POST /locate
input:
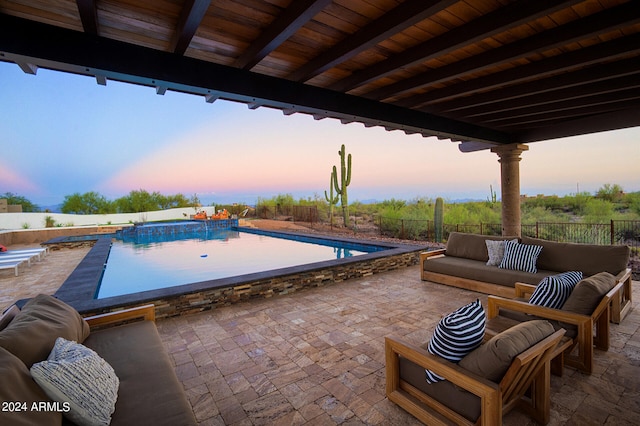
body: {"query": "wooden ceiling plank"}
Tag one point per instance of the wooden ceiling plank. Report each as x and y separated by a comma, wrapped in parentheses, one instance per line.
(292, 19)
(590, 26)
(459, 95)
(570, 112)
(596, 94)
(188, 22)
(88, 15)
(620, 119)
(477, 30)
(403, 16)
(564, 86)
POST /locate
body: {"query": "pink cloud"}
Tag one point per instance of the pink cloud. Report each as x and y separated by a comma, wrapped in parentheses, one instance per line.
(14, 182)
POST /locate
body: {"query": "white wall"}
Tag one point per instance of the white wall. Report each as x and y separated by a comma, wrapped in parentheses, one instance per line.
(13, 221)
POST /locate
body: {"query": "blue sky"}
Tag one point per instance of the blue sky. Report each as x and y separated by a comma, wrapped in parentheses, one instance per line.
(61, 134)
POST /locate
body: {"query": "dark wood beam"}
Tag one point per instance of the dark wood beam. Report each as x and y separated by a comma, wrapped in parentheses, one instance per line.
(190, 17)
(88, 15)
(590, 26)
(614, 120)
(71, 51)
(586, 104)
(479, 91)
(485, 26)
(403, 16)
(554, 100)
(295, 16)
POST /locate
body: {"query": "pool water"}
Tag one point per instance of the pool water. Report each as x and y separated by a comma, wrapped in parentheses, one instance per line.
(135, 267)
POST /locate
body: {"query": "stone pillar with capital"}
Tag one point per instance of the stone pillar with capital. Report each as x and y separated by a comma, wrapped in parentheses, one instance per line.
(510, 186)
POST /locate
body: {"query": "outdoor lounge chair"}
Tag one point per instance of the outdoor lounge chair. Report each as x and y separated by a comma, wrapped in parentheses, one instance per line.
(586, 322)
(471, 399)
(40, 252)
(13, 257)
(12, 264)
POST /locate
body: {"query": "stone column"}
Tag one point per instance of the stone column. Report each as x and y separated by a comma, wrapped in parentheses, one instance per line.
(510, 186)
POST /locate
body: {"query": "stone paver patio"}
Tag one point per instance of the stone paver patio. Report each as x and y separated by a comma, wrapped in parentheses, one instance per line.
(316, 357)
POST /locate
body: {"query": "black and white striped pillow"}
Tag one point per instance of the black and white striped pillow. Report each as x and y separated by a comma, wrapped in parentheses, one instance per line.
(457, 334)
(554, 290)
(520, 257)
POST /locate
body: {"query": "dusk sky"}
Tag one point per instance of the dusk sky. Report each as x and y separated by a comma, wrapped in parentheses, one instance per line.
(61, 134)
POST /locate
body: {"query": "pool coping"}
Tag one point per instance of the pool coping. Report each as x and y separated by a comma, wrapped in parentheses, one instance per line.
(81, 285)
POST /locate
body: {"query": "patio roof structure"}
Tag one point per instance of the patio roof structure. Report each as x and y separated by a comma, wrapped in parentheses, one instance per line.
(482, 73)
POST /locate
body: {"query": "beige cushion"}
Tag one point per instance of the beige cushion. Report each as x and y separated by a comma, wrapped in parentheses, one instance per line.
(149, 393)
(587, 258)
(18, 386)
(33, 332)
(587, 293)
(470, 246)
(493, 358)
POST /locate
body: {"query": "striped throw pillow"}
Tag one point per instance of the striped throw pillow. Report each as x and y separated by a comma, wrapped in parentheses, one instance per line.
(520, 257)
(456, 335)
(554, 290)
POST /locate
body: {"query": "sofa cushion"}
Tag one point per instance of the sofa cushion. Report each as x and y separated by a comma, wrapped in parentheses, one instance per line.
(77, 375)
(493, 358)
(587, 294)
(445, 392)
(588, 258)
(520, 257)
(150, 392)
(19, 387)
(470, 246)
(457, 334)
(479, 271)
(33, 332)
(554, 290)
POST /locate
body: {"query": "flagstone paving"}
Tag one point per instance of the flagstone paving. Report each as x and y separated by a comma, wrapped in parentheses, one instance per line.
(317, 357)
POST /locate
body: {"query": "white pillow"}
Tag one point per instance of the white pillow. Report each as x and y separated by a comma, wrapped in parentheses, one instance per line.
(77, 375)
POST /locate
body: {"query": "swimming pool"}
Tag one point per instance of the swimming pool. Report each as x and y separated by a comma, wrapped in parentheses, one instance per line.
(152, 262)
(81, 287)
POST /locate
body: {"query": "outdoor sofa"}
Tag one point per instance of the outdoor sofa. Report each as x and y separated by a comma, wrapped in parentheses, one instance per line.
(463, 263)
(34, 342)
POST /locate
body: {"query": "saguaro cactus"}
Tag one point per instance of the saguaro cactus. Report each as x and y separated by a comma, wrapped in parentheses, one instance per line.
(438, 219)
(345, 180)
(330, 198)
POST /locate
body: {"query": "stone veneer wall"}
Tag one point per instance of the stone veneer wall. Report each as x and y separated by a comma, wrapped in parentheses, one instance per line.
(210, 298)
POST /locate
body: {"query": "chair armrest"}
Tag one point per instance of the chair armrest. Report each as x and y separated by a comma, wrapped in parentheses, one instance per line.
(495, 303)
(146, 313)
(624, 275)
(431, 253)
(524, 290)
(457, 375)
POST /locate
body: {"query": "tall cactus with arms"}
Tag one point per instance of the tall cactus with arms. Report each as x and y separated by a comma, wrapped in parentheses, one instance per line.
(345, 180)
(330, 198)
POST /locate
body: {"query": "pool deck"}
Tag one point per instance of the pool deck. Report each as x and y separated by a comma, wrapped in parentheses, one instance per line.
(316, 357)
